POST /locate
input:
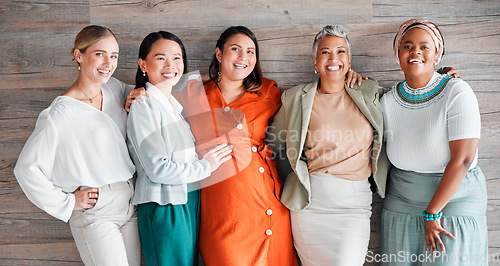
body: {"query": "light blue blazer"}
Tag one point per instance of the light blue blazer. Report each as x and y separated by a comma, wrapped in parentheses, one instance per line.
(163, 150)
(287, 135)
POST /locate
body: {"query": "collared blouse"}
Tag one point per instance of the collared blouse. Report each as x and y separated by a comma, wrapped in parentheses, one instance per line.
(162, 146)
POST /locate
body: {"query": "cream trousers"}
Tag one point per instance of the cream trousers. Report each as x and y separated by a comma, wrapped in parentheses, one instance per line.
(107, 234)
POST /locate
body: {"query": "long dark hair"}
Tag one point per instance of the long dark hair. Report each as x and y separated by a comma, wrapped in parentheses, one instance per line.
(145, 49)
(252, 82)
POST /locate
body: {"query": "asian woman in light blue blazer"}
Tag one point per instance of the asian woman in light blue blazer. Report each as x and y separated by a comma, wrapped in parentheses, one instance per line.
(163, 150)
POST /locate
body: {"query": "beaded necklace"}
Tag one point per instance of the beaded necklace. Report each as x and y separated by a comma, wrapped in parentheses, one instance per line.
(420, 98)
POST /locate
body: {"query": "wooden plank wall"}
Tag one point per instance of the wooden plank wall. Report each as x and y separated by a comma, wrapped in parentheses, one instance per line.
(36, 39)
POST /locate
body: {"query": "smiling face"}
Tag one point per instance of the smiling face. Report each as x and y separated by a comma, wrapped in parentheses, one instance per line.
(417, 53)
(99, 61)
(332, 59)
(238, 57)
(163, 65)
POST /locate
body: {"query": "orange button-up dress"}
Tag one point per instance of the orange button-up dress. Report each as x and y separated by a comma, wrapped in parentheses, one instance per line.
(242, 219)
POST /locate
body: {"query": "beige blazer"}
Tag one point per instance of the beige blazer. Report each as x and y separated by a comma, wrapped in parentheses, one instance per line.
(287, 135)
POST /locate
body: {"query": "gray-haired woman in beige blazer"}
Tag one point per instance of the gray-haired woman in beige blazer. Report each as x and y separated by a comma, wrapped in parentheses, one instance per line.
(328, 143)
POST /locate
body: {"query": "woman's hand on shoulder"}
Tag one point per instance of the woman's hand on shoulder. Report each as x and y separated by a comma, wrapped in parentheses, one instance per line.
(138, 93)
(205, 78)
(449, 71)
(352, 77)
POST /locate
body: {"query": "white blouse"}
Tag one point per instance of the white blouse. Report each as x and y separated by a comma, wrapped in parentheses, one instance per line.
(75, 144)
(418, 134)
(162, 147)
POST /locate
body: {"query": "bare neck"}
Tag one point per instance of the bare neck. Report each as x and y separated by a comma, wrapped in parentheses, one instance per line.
(90, 88)
(329, 87)
(418, 81)
(83, 89)
(231, 90)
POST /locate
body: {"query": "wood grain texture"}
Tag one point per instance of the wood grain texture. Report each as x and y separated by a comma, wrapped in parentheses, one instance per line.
(36, 39)
(220, 14)
(438, 11)
(61, 252)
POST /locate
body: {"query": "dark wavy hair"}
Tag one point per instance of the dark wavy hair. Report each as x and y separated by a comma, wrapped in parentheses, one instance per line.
(252, 82)
(145, 49)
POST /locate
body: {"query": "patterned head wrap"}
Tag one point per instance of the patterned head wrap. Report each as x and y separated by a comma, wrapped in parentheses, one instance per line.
(428, 26)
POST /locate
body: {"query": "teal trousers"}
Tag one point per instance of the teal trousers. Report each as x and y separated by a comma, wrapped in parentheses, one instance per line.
(169, 233)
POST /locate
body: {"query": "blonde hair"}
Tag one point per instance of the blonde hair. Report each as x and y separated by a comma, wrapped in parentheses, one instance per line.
(89, 36)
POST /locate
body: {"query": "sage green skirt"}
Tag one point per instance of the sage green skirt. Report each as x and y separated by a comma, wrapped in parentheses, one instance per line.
(403, 227)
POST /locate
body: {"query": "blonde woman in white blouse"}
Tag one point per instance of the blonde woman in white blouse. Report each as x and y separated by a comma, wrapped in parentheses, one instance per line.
(75, 166)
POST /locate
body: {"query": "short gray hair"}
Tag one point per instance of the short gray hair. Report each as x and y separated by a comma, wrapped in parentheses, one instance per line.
(329, 30)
